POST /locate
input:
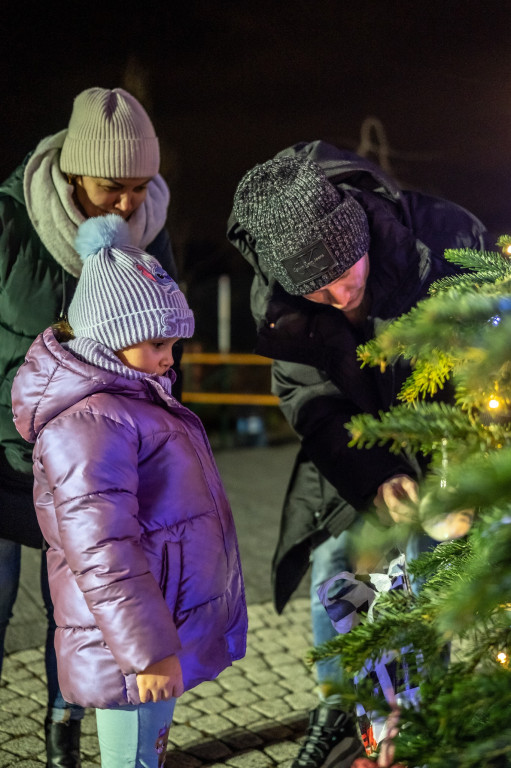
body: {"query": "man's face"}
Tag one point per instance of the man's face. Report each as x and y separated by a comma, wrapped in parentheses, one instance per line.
(347, 292)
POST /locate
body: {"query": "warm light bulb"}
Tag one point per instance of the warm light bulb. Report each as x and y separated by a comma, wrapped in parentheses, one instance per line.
(508, 248)
(493, 403)
(502, 657)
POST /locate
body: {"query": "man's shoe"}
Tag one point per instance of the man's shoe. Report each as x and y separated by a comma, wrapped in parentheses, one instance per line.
(62, 744)
(331, 740)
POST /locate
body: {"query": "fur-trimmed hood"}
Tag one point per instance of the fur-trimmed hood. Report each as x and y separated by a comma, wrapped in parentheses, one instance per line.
(52, 379)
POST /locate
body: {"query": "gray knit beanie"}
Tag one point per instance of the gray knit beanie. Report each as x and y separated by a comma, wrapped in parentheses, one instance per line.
(110, 136)
(307, 232)
(123, 296)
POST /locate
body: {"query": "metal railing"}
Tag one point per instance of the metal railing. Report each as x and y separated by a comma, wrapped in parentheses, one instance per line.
(226, 398)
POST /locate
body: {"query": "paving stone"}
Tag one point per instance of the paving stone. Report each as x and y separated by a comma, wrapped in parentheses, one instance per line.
(24, 746)
(242, 716)
(213, 724)
(19, 705)
(253, 759)
(268, 635)
(21, 673)
(284, 750)
(294, 670)
(278, 660)
(28, 657)
(209, 706)
(177, 759)
(234, 683)
(185, 714)
(33, 688)
(18, 726)
(270, 730)
(6, 760)
(272, 708)
(267, 647)
(89, 744)
(184, 735)
(300, 683)
(210, 751)
(262, 676)
(297, 721)
(302, 700)
(188, 697)
(89, 723)
(255, 622)
(240, 739)
(40, 696)
(240, 698)
(255, 663)
(233, 671)
(209, 688)
(272, 691)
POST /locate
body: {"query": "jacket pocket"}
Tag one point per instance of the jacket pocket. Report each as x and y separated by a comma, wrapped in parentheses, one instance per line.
(170, 575)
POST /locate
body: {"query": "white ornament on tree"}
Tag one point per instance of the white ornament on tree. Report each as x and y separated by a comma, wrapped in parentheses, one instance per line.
(442, 527)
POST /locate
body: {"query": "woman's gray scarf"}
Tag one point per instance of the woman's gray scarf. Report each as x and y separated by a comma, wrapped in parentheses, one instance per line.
(56, 218)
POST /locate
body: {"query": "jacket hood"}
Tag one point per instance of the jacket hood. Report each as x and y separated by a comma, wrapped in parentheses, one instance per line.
(13, 184)
(52, 379)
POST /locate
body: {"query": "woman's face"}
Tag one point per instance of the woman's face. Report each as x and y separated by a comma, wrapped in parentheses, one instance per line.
(97, 196)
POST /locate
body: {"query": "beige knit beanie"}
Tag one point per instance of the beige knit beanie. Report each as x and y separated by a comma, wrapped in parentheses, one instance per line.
(110, 136)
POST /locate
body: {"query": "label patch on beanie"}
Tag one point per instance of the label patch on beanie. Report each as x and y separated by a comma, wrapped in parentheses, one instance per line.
(153, 271)
(309, 263)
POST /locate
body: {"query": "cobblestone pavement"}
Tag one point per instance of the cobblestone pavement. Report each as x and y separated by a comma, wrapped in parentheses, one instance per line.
(252, 716)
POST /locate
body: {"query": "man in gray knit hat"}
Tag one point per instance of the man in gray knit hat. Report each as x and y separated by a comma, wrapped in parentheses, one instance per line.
(335, 251)
(105, 162)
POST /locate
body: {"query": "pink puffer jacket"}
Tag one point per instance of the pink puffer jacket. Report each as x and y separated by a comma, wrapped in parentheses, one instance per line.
(143, 558)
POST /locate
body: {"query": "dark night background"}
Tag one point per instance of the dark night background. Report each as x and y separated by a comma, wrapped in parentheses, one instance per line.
(228, 83)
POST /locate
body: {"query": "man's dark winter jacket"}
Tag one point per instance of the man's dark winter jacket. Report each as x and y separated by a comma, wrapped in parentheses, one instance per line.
(316, 374)
(34, 292)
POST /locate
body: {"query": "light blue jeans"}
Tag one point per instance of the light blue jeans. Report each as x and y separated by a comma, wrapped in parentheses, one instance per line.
(135, 736)
(327, 559)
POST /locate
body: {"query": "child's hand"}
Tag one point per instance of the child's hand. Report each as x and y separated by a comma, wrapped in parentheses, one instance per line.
(161, 680)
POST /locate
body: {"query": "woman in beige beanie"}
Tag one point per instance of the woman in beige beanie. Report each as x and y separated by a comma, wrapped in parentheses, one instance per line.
(105, 161)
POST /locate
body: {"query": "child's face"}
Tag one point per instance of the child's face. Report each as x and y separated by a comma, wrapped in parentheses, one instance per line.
(153, 356)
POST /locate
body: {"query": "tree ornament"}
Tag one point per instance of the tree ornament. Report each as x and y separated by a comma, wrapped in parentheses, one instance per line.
(455, 524)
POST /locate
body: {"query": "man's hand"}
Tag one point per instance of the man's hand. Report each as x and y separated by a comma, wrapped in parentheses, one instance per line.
(398, 497)
(161, 680)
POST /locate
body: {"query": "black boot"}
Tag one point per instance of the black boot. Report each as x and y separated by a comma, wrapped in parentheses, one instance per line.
(331, 740)
(62, 744)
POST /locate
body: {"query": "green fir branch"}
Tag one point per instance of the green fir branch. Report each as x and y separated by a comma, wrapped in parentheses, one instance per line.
(420, 428)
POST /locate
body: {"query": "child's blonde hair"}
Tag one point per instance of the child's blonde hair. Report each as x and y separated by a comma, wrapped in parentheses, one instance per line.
(63, 331)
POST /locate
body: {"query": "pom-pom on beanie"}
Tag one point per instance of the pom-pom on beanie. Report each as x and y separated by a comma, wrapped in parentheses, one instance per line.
(110, 136)
(123, 296)
(307, 232)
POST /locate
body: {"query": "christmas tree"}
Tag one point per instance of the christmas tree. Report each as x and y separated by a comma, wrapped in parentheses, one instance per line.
(458, 339)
